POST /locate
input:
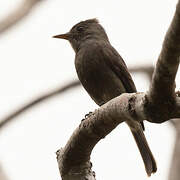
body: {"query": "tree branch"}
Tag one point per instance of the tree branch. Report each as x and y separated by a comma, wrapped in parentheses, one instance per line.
(168, 62)
(162, 91)
(74, 158)
(18, 14)
(56, 92)
(37, 101)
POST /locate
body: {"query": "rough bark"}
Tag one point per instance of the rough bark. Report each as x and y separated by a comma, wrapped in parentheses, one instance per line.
(74, 158)
(161, 97)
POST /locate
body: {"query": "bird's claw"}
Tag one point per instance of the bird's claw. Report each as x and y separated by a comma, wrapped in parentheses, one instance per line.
(87, 115)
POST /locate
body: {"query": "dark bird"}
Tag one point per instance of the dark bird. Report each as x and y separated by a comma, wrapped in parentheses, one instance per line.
(104, 75)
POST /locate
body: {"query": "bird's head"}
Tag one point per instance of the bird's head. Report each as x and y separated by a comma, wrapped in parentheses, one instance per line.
(84, 30)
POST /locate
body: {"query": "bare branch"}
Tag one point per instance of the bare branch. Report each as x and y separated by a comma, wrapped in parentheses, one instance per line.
(21, 12)
(95, 127)
(37, 101)
(162, 89)
(74, 158)
(168, 62)
(58, 91)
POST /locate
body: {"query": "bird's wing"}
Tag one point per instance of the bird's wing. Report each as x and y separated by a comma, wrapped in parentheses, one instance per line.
(113, 60)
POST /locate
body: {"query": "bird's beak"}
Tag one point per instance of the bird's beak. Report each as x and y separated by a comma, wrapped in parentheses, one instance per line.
(63, 36)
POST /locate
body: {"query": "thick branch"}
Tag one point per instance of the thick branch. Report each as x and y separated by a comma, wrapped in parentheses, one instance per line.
(14, 17)
(161, 97)
(36, 101)
(94, 128)
(74, 158)
(168, 62)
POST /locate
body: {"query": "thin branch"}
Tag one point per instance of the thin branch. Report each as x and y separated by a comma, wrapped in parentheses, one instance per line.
(37, 101)
(56, 92)
(18, 14)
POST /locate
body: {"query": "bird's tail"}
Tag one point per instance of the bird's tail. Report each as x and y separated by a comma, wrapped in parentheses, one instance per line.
(147, 156)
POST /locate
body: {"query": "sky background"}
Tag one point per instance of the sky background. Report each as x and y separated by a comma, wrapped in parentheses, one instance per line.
(32, 63)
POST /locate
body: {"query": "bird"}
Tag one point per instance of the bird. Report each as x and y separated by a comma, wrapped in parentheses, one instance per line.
(104, 75)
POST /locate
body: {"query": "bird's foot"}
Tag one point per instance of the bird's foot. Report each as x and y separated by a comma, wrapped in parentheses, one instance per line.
(87, 115)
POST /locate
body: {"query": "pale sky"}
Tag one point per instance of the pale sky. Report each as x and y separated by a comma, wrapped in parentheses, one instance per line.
(32, 62)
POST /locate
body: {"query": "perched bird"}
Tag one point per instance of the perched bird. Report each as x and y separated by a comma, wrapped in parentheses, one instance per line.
(104, 75)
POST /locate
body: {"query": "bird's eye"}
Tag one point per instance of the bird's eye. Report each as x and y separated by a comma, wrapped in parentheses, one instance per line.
(80, 29)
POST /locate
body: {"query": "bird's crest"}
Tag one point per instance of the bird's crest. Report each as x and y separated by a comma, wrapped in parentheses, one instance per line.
(86, 22)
